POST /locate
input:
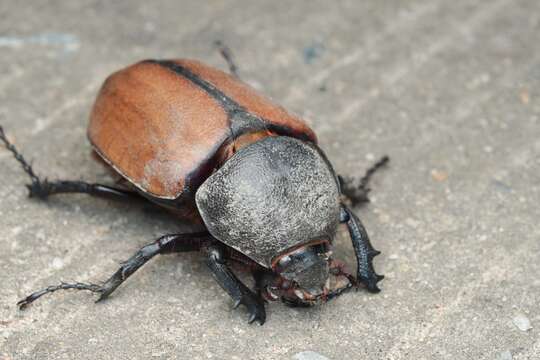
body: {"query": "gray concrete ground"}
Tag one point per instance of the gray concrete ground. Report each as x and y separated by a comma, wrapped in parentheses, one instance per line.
(449, 89)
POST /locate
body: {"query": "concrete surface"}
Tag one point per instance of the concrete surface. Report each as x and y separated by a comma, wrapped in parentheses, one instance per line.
(449, 89)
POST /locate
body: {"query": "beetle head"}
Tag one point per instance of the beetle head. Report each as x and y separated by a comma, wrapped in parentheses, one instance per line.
(304, 272)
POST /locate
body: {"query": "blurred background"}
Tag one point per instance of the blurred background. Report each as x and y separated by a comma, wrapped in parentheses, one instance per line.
(449, 90)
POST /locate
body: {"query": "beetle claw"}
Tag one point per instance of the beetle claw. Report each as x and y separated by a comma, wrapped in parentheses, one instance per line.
(257, 316)
(255, 307)
(371, 283)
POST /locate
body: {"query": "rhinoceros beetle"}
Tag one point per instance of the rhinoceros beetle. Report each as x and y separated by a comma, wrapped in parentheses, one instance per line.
(208, 147)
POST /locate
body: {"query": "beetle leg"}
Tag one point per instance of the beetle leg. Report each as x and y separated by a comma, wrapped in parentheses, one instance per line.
(43, 188)
(357, 190)
(164, 245)
(295, 303)
(239, 292)
(227, 55)
(337, 292)
(363, 249)
(260, 282)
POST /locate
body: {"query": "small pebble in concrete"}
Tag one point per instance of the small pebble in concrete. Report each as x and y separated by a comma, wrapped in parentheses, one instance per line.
(522, 322)
(16, 230)
(57, 263)
(505, 355)
(439, 175)
(309, 355)
(524, 96)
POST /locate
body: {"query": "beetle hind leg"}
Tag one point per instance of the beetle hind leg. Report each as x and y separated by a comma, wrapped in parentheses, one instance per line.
(42, 188)
(357, 190)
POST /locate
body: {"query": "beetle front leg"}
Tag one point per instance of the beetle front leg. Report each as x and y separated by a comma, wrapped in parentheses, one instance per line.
(363, 249)
(239, 292)
(164, 245)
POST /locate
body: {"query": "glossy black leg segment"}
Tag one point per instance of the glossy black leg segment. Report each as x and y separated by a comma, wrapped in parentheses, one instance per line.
(165, 244)
(227, 55)
(239, 292)
(357, 190)
(260, 281)
(363, 249)
(42, 188)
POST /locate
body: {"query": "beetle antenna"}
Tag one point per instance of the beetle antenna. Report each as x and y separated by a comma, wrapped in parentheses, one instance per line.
(227, 55)
(18, 156)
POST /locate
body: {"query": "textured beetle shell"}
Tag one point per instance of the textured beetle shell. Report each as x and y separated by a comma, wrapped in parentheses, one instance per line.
(272, 195)
(163, 124)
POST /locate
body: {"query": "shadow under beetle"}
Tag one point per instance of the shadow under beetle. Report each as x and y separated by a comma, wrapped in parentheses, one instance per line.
(208, 147)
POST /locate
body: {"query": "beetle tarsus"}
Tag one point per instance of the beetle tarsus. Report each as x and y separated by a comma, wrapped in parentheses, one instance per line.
(364, 252)
(372, 170)
(337, 292)
(22, 304)
(357, 190)
(19, 157)
(37, 188)
(227, 55)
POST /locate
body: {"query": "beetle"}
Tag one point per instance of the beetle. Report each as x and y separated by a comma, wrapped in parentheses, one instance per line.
(211, 149)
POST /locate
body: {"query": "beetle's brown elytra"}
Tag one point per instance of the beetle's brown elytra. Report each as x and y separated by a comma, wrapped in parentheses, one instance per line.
(210, 148)
(166, 139)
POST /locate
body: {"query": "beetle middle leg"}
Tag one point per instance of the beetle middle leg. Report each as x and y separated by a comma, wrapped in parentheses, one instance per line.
(357, 190)
(238, 291)
(164, 245)
(42, 188)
